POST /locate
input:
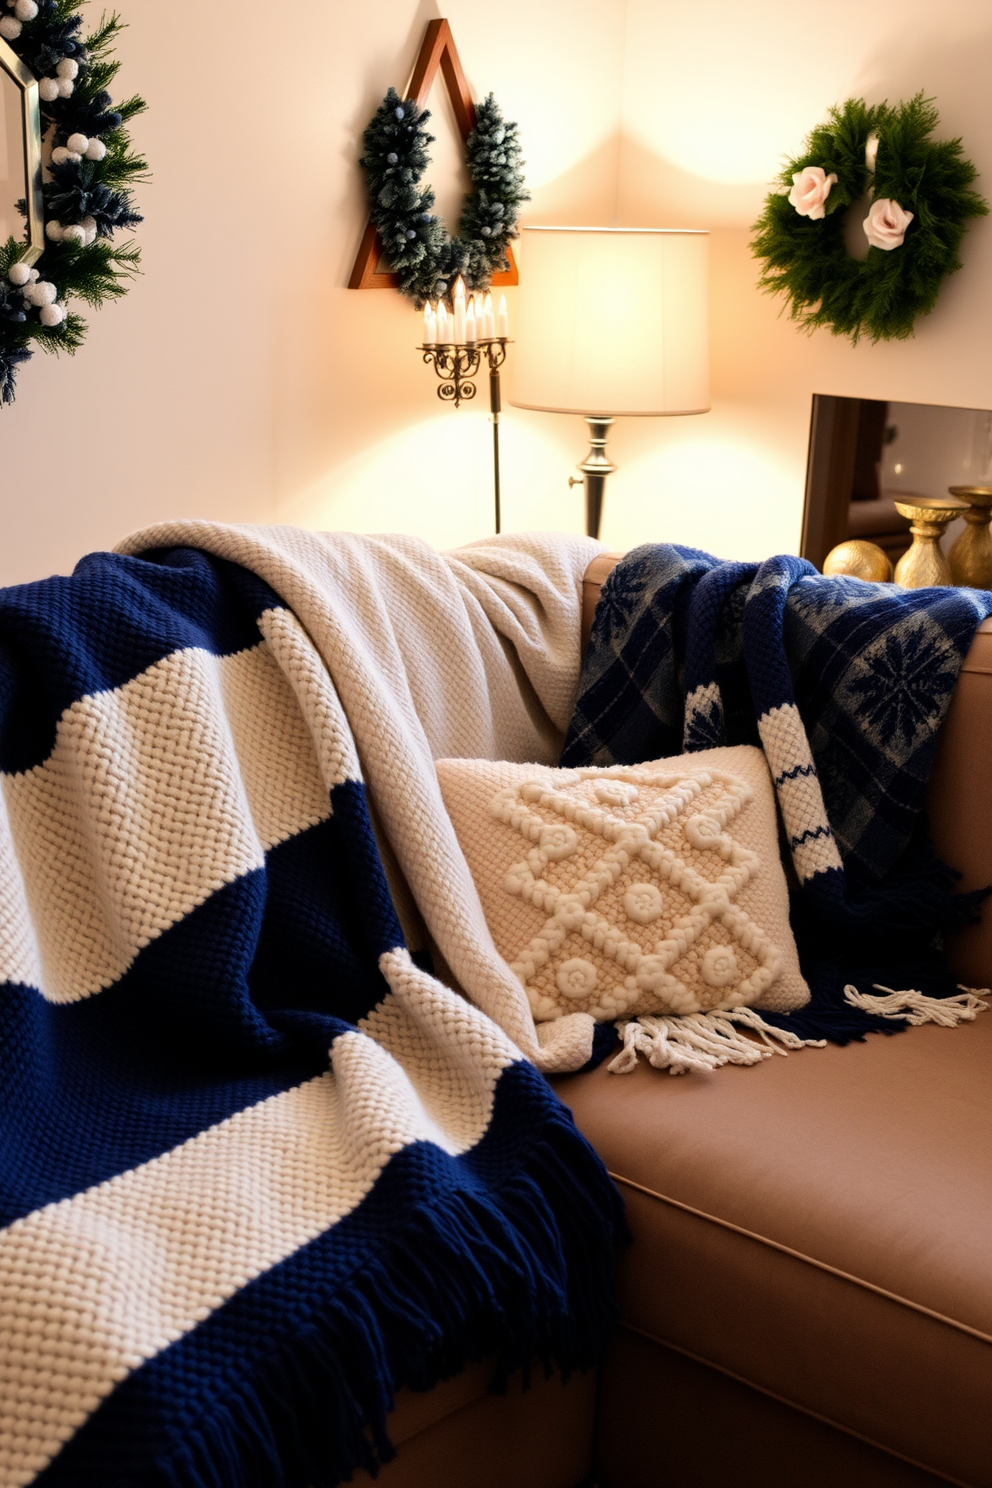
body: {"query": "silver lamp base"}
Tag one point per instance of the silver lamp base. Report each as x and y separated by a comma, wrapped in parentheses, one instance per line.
(595, 468)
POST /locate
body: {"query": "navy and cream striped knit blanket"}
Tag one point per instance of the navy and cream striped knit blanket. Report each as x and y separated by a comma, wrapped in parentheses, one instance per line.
(845, 686)
(258, 1167)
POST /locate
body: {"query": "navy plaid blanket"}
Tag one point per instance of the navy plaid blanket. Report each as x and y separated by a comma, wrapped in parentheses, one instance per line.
(845, 686)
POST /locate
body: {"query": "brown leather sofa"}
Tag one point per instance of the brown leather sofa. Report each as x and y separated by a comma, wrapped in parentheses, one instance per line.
(808, 1298)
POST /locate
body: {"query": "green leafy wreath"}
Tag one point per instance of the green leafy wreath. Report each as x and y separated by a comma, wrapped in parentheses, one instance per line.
(87, 186)
(425, 258)
(921, 203)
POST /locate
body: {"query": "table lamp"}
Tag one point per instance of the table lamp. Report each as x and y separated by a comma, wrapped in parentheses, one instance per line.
(613, 319)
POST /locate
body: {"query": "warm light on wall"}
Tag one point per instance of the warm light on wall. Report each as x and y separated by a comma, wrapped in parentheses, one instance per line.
(612, 321)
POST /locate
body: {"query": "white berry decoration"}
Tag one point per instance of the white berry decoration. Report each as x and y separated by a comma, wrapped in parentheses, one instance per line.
(41, 293)
(81, 192)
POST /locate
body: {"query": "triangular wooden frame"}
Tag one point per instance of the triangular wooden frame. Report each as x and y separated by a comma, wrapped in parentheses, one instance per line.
(438, 50)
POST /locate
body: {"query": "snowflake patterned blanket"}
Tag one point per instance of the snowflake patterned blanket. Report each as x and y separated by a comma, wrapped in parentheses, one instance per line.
(258, 1166)
(845, 686)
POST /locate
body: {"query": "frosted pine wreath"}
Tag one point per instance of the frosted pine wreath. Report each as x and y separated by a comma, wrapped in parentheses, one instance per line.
(921, 201)
(87, 187)
(425, 258)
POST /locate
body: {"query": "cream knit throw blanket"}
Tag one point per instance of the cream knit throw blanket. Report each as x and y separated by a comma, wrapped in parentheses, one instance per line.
(470, 654)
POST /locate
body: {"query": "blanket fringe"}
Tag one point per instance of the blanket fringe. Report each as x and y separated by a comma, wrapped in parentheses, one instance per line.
(702, 1041)
(916, 1008)
(525, 1277)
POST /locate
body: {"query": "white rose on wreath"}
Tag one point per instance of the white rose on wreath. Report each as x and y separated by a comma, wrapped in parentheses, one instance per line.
(886, 224)
(810, 189)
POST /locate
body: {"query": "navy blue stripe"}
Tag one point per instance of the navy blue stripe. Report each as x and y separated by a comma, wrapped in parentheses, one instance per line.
(795, 773)
(153, 1414)
(810, 835)
(240, 999)
(62, 639)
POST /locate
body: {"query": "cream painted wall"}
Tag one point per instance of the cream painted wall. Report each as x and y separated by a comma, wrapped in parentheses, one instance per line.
(247, 383)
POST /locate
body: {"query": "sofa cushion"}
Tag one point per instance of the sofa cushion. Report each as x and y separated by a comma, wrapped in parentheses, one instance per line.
(650, 888)
(820, 1226)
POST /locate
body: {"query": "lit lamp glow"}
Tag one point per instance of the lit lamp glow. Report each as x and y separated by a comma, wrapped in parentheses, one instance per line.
(612, 322)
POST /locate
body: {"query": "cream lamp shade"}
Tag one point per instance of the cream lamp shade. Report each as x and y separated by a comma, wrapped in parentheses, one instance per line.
(612, 320)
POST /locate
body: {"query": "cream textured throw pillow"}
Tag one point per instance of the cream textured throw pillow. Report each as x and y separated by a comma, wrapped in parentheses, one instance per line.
(653, 888)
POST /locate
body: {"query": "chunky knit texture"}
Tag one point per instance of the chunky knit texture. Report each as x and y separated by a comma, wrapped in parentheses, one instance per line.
(652, 889)
(845, 686)
(258, 1166)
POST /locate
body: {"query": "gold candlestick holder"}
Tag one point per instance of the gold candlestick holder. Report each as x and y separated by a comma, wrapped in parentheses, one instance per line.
(971, 556)
(924, 566)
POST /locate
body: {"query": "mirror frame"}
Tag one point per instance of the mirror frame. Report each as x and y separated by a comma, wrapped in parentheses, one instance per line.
(25, 80)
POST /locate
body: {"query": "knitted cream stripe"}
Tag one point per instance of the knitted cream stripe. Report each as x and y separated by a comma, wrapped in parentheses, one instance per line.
(800, 798)
(319, 704)
(426, 655)
(93, 1286)
(162, 791)
(451, 1051)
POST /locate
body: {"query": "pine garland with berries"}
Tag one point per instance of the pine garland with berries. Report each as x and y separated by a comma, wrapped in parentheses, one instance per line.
(87, 188)
(424, 256)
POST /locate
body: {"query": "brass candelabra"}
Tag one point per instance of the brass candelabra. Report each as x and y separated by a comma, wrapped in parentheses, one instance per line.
(457, 364)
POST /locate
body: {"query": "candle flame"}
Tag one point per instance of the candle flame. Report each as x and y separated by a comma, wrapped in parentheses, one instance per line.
(459, 288)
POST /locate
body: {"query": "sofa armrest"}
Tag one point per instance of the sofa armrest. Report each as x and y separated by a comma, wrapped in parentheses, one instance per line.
(960, 800)
(960, 794)
(595, 578)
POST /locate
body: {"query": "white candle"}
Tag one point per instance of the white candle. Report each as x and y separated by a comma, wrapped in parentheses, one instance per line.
(488, 318)
(470, 320)
(430, 325)
(503, 320)
(442, 322)
(459, 310)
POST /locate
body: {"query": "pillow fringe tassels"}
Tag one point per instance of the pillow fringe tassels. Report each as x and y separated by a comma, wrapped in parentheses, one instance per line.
(683, 1043)
(707, 1041)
